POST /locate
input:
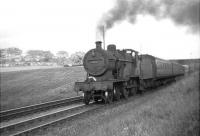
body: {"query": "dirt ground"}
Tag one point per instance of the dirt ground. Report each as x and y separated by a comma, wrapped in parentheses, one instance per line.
(22, 88)
(166, 111)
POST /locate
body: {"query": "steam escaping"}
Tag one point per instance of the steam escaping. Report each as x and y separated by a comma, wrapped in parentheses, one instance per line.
(182, 12)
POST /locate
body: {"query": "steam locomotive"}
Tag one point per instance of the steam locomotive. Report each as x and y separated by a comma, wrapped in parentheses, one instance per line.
(113, 74)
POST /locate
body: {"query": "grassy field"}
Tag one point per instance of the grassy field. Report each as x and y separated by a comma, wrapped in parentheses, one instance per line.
(22, 88)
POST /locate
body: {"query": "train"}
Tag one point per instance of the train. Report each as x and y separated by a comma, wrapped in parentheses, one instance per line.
(113, 74)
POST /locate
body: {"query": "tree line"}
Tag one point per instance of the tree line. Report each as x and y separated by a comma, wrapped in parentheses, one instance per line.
(13, 57)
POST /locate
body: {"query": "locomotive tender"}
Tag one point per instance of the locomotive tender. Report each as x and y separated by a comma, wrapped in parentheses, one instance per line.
(113, 74)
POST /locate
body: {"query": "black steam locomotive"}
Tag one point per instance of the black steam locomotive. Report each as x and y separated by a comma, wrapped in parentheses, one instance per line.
(113, 74)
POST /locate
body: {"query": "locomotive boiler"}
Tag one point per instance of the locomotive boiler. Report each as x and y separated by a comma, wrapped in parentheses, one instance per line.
(113, 74)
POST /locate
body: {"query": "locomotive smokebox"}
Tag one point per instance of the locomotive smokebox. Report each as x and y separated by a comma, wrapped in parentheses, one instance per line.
(98, 45)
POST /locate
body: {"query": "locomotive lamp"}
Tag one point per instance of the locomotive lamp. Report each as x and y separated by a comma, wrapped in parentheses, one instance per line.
(106, 94)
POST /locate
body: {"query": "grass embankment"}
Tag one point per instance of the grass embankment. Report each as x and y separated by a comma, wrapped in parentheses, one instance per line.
(24, 88)
(173, 113)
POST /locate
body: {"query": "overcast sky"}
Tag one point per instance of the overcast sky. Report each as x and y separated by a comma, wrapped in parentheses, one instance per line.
(70, 25)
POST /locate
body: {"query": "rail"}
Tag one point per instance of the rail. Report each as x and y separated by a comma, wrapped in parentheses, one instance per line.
(13, 113)
(27, 125)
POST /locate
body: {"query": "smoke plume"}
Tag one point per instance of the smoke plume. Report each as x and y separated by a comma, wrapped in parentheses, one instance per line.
(182, 12)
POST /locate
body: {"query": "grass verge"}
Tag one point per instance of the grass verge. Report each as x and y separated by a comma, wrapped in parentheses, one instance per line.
(22, 88)
(173, 113)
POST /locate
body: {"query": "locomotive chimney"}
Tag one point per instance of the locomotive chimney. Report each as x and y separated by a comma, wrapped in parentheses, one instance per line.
(98, 44)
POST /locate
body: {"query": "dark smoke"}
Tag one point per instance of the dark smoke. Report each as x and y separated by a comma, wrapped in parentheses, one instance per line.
(182, 12)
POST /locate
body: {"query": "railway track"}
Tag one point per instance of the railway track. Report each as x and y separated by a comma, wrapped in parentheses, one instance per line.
(27, 124)
(13, 113)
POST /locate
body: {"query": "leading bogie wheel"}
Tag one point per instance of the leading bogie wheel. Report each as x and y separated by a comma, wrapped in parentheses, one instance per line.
(132, 91)
(116, 92)
(109, 96)
(125, 93)
(86, 98)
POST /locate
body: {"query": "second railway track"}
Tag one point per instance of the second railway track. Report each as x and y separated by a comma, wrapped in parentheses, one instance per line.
(13, 113)
(23, 121)
(25, 126)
